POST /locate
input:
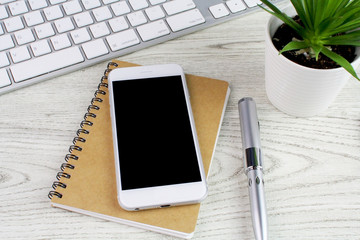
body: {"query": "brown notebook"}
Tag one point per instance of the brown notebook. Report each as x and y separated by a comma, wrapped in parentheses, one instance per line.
(87, 182)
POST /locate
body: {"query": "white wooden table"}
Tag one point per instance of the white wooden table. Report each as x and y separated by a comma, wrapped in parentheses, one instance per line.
(312, 166)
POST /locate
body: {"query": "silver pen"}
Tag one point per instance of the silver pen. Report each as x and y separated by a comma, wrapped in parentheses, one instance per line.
(253, 165)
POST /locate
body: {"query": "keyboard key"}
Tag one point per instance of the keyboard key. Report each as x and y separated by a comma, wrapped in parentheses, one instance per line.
(72, 7)
(60, 42)
(13, 24)
(136, 18)
(95, 48)
(122, 40)
(6, 42)
(155, 13)
(120, 8)
(24, 36)
(235, 5)
(154, 2)
(37, 4)
(18, 7)
(6, 1)
(252, 3)
(185, 20)
(64, 25)
(47, 63)
(118, 24)
(177, 6)
(44, 30)
(219, 10)
(102, 13)
(1, 30)
(138, 4)
(53, 2)
(109, 1)
(3, 12)
(80, 35)
(19, 54)
(52, 13)
(40, 48)
(99, 30)
(4, 61)
(90, 4)
(83, 19)
(4, 78)
(153, 30)
(33, 18)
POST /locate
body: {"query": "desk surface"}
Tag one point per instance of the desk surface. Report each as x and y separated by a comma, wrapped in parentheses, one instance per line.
(312, 165)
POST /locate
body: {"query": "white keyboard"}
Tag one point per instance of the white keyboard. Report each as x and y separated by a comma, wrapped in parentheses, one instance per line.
(41, 39)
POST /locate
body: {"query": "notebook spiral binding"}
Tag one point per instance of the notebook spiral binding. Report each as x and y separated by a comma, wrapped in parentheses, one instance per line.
(97, 99)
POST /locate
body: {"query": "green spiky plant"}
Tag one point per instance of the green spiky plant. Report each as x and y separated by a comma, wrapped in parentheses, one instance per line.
(324, 23)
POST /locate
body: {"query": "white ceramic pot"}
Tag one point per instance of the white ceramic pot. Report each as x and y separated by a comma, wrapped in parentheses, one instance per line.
(295, 89)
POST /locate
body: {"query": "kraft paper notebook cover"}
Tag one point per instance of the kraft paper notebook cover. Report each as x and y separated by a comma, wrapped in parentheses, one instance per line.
(87, 181)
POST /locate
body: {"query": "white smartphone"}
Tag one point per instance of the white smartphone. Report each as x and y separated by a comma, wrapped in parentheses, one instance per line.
(157, 155)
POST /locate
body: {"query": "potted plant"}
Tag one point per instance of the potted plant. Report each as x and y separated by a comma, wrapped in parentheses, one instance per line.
(312, 48)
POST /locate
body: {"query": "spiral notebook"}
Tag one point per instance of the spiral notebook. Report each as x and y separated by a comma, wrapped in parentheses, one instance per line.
(86, 183)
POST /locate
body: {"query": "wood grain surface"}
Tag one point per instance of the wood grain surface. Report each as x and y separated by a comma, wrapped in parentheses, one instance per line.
(312, 165)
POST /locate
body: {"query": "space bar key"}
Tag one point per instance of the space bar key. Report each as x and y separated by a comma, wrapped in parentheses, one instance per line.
(47, 63)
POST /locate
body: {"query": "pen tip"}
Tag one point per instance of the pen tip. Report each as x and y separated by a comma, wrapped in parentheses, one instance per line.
(245, 99)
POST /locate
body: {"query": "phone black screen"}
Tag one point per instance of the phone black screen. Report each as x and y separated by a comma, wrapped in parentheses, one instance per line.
(155, 139)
